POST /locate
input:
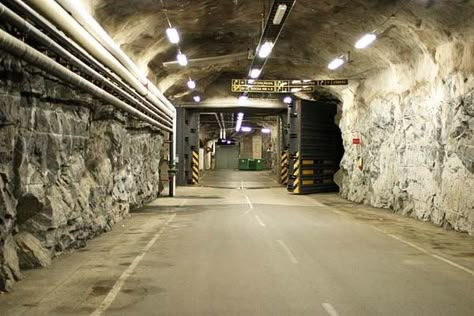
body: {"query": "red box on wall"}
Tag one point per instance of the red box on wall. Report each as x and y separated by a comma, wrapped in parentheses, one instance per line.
(356, 141)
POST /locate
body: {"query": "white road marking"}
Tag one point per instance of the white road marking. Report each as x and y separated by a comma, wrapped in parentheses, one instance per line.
(447, 261)
(260, 221)
(288, 251)
(246, 196)
(330, 309)
(126, 274)
(426, 252)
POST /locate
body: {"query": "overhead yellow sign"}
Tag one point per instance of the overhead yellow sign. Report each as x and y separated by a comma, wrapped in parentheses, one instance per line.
(282, 86)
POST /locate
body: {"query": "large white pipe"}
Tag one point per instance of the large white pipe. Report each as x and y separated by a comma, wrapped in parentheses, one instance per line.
(91, 25)
(56, 14)
(94, 28)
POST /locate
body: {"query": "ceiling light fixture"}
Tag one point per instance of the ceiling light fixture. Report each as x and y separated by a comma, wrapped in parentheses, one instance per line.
(182, 59)
(265, 50)
(191, 84)
(336, 63)
(246, 129)
(266, 130)
(238, 124)
(173, 35)
(197, 99)
(243, 99)
(255, 73)
(365, 41)
(287, 100)
(280, 13)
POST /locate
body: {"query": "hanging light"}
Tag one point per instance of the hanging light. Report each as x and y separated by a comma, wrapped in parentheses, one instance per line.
(254, 73)
(246, 129)
(173, 35)
(365, 41)
(266, 130)
(265, 50)
(182, 59)
(238, 124)
(336, 63)
(191, 84)
(197, 99)
(287, 100)
(280, 13)
(243, 99)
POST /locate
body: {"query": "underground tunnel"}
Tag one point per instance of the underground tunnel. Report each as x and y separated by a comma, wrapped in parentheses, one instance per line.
(259, 157)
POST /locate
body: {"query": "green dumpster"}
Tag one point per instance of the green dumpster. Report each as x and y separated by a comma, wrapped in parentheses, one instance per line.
(243, 164)
(258, 165)
(252, 164)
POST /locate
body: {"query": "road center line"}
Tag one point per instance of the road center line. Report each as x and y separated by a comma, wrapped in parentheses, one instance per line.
(330, 309)
(288, 251)
(246, 196)
(260, 221)
(126, 274)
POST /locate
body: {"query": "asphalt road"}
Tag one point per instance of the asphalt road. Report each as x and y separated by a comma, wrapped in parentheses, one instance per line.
(238, 248)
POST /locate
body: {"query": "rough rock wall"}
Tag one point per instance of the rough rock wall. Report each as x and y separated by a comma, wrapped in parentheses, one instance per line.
(416, 123)
(70, 167)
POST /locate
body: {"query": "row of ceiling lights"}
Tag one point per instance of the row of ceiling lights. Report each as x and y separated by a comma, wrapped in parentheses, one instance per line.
(364, 42)
(174, 38)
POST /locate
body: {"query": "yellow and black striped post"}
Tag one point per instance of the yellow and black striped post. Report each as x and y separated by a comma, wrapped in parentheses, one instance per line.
(195, 165)
(284, 168)
(296, 177)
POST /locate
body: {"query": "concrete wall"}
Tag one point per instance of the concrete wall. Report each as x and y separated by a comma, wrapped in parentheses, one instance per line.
(70, 168)
(416, 123)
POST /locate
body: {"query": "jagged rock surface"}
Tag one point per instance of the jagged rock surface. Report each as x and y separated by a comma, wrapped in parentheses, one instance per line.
(417, 139)
(70, 167)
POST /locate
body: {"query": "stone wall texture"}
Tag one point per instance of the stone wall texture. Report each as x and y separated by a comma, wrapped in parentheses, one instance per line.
(416, 123)
(70, 167)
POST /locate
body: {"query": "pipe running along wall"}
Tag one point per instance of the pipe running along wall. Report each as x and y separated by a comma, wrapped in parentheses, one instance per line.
(26, 27)
(65, 41)
(56, 14)
(102, 37)
(37, 59)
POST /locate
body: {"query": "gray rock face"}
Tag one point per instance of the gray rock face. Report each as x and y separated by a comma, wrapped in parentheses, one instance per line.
(417, 144)
(69, 168)
(31, 253)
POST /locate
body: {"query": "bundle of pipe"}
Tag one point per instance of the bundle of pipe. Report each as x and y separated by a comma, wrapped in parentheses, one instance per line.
(122, 66)
(137, 88)
(27, 28)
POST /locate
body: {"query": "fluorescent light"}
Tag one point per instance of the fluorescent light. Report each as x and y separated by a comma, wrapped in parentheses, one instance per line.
(251, 81)
(197, 99)
(287, 100)
(265, 50)
(173, 35)
(243, 100)
(254, 73)
(191, 84)
(280, 13)
(365, 41)
(229, 142)
(240, 116)
(266, 130)
(246, 129)
(336, 63)
(182, 59)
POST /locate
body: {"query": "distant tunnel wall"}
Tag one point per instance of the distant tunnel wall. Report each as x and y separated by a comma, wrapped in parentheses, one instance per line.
(416, 125)
(70, 167)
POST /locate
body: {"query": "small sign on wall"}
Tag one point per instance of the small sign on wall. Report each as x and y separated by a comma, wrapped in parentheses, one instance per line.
(356, 141)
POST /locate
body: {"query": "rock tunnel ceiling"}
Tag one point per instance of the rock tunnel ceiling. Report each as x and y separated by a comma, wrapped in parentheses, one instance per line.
(315, 33)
